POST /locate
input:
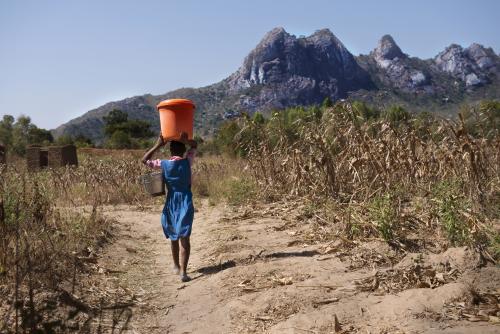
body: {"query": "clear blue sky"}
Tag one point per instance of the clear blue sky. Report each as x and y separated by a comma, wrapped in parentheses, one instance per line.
(59, 59)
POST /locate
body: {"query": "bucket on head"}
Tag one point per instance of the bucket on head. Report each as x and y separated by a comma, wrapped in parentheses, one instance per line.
(176, 116)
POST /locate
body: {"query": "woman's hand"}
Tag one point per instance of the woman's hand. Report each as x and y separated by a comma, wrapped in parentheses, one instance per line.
(184, 139)
(160, 142)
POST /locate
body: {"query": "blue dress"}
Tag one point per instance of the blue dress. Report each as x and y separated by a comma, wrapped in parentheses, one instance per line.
(178, 212)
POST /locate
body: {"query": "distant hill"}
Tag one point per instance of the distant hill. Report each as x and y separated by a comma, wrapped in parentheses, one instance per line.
(284, 70)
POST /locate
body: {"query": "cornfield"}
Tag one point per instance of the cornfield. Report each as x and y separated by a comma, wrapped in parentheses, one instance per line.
(382, 175)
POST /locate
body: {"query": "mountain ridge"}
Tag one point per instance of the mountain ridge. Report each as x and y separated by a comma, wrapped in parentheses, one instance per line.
(284, 70)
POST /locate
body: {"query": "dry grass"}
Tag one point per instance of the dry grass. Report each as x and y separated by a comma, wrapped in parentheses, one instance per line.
(223, 179)
(50, 222)
(397, 180)
(41, 245)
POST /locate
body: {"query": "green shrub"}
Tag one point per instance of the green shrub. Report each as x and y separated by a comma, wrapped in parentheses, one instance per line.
(327, 102)
(224, 139)
(258, 118)
(383, 212)
(396, 114)
(119, 140)
(449, 199)
(364, 111)
(239, 190)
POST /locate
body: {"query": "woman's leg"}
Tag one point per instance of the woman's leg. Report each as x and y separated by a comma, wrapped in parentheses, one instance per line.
(174, 245)
(185, 251)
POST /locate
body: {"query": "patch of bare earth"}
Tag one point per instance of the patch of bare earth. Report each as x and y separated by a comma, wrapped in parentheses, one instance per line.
(255, 270)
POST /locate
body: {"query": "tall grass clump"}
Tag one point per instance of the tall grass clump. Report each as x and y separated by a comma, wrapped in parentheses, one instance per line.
(450, 205)
(383, 214)
(222, 179)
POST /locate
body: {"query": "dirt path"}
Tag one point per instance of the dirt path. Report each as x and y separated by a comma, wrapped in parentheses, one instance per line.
(252, 273)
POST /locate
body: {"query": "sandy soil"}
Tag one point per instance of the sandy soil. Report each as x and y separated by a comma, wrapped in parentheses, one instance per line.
(253, 273)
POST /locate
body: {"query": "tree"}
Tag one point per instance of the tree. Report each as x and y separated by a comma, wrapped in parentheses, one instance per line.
(114, 118)
(65, 140)
(17, 135)
(6, 126)
(39, 136)
(78, 141)
(119, 140)
(20, 134)
(82, 141)
(136, 128)
(24, 133)
(117, 125)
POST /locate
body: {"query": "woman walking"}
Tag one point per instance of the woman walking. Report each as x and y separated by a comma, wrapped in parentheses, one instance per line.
(178, 211)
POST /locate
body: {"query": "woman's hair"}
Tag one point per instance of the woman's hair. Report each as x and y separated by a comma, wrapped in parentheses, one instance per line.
(177, 148)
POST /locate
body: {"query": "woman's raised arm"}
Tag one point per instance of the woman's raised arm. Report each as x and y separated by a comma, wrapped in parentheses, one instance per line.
(147, 156)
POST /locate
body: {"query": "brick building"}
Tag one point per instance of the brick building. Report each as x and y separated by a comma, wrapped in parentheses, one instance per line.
(53, 156)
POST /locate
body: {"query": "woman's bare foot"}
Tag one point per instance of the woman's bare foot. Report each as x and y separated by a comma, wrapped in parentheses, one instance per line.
(176, 269)
(185, 277)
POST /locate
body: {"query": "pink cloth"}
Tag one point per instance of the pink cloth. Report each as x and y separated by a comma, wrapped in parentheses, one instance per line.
(190, 155)
(156, 163)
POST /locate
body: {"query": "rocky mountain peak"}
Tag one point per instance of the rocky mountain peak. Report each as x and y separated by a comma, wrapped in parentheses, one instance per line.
(325, 39)
(471, 65)
(485, 58)
(276, 35)
(281, 57)
(323, 36)
(387, 49)
(396, 68)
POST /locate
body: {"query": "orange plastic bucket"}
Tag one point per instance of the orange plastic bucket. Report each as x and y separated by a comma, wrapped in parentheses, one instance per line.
(176, 116)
